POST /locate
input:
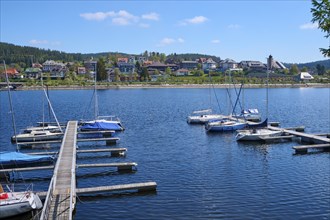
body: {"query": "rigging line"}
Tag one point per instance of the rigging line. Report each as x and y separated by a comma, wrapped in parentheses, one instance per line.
(90, 103)
(11, 107)
(216, 97)
(50, 105)
(238, 95)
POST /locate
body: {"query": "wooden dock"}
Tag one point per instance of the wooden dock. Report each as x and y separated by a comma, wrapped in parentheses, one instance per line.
(309, 138)
(61, 197)
(115, 152)
(140, 187)
(304, 148)
(108, 140)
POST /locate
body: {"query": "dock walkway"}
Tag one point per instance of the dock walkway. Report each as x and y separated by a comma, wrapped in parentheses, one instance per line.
(60, 200)
(315, 139)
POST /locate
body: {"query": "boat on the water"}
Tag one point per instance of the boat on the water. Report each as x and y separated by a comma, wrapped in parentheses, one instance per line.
(17, 159)
(256, 134)
(35, 135)
(250, 115)
(202, 117)
(102, 123)
(16, 203)
(225, 125)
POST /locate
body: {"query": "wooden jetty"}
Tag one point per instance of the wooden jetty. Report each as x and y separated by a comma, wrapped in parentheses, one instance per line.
(115, 152)
(61, 195)
(108, 140)
(309, 138)
(277, 138)
(140, 187)
(304, 148)
(120, 166)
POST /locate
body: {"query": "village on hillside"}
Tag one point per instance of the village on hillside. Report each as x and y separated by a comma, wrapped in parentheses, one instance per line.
(139, 69)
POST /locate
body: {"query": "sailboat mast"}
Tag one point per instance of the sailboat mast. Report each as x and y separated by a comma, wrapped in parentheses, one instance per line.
(96, 111)
(11, 105)
(267, 92)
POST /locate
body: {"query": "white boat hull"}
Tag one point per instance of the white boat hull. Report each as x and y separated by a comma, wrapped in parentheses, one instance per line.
(202, 119)
(18, 203)
(256, 135)
(30, 137)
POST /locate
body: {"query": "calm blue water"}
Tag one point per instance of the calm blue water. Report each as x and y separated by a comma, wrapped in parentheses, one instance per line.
(199, 175)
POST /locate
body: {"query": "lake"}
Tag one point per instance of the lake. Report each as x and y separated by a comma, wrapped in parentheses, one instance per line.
(200, 175)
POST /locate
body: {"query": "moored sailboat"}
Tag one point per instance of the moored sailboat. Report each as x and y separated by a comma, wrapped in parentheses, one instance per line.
(16, 203)
(100, 123)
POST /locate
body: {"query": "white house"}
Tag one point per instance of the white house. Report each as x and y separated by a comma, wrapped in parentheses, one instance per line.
(304, 76)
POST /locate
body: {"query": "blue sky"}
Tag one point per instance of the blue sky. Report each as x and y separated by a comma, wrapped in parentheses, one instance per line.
(240, 30)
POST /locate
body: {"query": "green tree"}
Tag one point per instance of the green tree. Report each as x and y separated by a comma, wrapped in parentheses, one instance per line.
(117, 75)
(101, 72)
(321, 15)
(320, 69)
(144, 74)
(168, 71)
(294, 69)
(304, 69)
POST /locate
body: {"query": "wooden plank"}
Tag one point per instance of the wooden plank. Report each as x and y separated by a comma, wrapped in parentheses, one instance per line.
(133, 186)
(26, 169)
(40, 142)
(102, 150)
(311, 146)
(129, 164)
(98, 139)
(310, 137)
(276, 138)
(120, 166)
(96, 132)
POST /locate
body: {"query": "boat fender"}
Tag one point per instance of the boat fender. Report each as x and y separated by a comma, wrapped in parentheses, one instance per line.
(4, 196)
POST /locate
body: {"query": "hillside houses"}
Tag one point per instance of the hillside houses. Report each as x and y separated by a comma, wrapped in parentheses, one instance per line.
(133, 67)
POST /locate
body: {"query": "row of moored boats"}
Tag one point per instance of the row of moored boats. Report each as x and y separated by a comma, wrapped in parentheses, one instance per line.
(247, 125)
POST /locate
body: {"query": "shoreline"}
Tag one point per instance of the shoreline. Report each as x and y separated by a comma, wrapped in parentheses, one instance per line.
(182, 86)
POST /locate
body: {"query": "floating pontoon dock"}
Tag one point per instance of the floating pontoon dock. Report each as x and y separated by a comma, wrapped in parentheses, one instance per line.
(61, 196)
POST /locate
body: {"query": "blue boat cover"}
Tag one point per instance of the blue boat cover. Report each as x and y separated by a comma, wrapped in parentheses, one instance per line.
(101, 126)
(9, 159)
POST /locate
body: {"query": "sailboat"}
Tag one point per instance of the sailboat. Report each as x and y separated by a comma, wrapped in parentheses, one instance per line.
(100, 123)
(41, 133)
(258, 133)
(15, 159)
(205, 115)
(16, 203)
(229, 123)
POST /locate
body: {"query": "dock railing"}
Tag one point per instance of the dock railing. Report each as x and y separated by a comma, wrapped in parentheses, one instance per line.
(48, 201)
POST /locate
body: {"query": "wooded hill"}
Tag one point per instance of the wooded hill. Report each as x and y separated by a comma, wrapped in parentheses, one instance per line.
(23, 54)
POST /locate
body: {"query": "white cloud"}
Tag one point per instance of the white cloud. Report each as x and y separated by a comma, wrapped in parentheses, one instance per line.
(37, 42)
(234, 26)
(168, 41)
(151, 16)
(194, 20)
(121, 18)
(180, 40)
(216, 41)
(309, 26)
(97, 16)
